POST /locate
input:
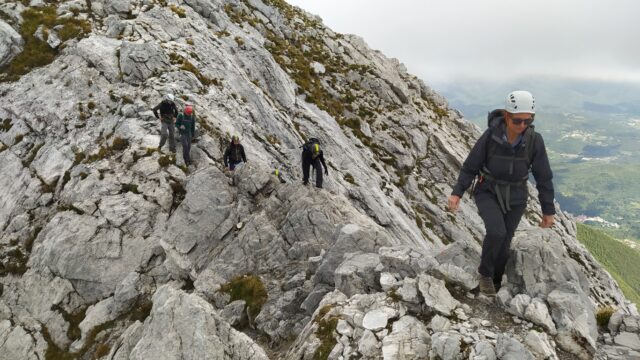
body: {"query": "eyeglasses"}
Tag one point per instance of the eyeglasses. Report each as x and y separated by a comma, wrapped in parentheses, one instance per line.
(526, 121)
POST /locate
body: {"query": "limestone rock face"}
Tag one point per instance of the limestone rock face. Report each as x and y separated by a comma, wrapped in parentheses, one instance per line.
(11, 43)
(108, 243)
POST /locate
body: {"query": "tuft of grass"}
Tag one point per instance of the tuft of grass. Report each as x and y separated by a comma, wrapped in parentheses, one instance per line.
(38, 53)
(178, 11)
(250, 289)
(6, 125)
(349, 178)
(326, 334)
(239, 40)
(166, 160)
(129, 188)
(603, 315)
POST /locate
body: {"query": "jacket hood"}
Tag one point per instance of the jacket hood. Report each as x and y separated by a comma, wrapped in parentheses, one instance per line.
(495, 118)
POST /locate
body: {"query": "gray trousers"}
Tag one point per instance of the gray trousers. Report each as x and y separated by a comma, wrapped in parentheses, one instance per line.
(499, 228)
(185, 139)
(168, 130)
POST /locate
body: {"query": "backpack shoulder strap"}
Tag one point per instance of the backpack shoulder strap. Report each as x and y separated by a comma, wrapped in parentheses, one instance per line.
(529, 139)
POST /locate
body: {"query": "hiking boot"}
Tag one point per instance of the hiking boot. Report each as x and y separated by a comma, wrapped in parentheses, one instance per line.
(486, 286)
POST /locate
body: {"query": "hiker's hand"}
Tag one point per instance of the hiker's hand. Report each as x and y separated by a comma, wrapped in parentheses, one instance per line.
(182, 127)
(547, 221)
(454, 200)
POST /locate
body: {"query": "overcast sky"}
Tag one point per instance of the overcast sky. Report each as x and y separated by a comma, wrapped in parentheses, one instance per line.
(445, 40)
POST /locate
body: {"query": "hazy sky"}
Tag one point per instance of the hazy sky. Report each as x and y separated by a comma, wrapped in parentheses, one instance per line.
(444, 40)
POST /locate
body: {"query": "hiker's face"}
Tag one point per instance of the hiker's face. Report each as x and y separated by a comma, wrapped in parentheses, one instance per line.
(236, 141)
(517, 123)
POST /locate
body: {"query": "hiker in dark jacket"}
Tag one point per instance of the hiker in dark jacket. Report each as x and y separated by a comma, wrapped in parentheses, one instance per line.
(501, 160)
(186, 125)
(168, 112)
(312, 156)
(234, 154)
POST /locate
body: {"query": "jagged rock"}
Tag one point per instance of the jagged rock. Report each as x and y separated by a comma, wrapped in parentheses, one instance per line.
(408, 292)
(357, 274)
(351, 238)
(409, 339)
(101, 52)
(406, 261)
(375, 320)
(608, 352)
(235, 313)
(519, 304)
(539, 345)
(85, 249)
(615, 321)
(311, 302)
(11, 43)
(574, 317)
(446, 345)
(509, 348)
(456, 275)
(118, 6)
(435, 294)
(439, 324)
(173, 315)
(369, 345)
(630, 324)
(388, 281)
(296, 281)
(123, 346)
(484, 350)
(140, 61)
(343, 328)
(538, 313)
(629, 340)
(17, 343)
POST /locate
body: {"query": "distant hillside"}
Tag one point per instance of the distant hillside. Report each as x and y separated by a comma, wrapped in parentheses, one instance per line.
(620, 260)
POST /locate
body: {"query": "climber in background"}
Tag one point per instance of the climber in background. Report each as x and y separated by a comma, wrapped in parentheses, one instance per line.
(186, 125)
(500, 162)
(234, 154)
(312, 156)
(168, 114)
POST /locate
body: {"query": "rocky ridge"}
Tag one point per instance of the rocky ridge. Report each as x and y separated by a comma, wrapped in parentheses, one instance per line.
(112, 250)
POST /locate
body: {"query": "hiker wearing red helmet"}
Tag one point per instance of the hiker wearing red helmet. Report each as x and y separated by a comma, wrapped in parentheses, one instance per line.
(186, 125)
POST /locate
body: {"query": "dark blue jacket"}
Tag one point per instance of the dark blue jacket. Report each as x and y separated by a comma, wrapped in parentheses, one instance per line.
(503, 169)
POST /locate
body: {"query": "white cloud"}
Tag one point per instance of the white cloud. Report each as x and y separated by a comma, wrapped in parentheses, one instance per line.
(445, 40)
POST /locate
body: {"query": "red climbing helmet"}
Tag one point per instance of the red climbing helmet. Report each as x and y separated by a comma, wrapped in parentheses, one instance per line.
(188, 110)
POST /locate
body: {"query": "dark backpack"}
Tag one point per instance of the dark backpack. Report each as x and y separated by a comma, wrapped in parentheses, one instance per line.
(312, 146)
(167, 107)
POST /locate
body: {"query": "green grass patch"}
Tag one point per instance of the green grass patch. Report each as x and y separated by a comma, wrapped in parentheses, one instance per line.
(604, 314)
(622, 262)
(178, 11)
(326, 334)
(349, 178)
(250, 289)
(38, 53)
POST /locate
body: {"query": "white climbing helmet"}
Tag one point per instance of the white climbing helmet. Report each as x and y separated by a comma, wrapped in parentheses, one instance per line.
(169, 97)
(520, 101)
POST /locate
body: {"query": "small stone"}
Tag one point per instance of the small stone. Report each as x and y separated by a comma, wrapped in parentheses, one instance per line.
(485, 323)
(239, 225)
(460, 314)
(343, 328)
(375, 320)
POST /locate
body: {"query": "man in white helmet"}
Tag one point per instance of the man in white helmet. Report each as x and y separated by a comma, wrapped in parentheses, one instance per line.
(168, 114)
(500, 162)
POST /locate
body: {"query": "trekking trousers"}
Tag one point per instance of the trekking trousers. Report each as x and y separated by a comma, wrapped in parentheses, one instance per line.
(168, 130)
(499, 228)
(185, 139)
(306, 166)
